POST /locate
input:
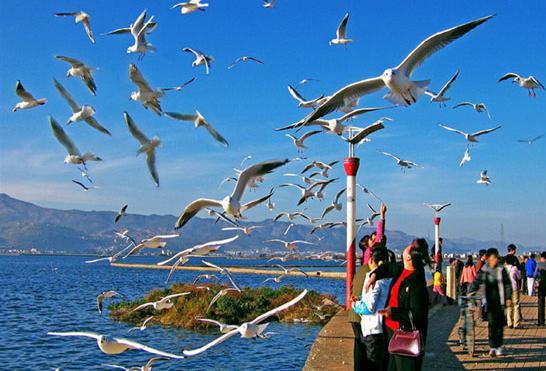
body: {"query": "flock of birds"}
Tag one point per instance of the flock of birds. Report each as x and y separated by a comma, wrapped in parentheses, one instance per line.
(314, 176)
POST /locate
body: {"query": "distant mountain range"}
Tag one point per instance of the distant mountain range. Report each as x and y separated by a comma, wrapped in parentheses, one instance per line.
(24, 225)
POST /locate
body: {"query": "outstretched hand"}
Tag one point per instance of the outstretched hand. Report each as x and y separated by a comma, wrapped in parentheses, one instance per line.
(383, 210)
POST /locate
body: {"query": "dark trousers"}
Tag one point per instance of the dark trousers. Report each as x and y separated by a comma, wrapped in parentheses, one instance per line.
(358, 351)
(541, 300)
(374, 352)
(495, 319)
(402, 363)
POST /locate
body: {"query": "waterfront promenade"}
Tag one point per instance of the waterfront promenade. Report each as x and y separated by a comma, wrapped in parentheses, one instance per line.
(526, 347)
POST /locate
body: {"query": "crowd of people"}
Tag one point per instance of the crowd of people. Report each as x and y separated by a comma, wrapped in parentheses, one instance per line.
(390, 299)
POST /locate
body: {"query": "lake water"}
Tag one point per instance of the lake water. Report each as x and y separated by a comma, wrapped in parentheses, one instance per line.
(57, 293)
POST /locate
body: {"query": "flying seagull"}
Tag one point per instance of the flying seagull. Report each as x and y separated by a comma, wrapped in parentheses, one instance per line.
(243, 59)
(219, 294)
(290, 245)
(145, 94)
(248, 330)
(223, 271)
(150, 27)
(181, 87)
(335, 205)
(110, 345)
(247, 230)
(530, 83)
(231, 203)
(402, 90)
(81, 70)
(478, 107)
(143, 326)
(269, 4)
(402, 163)
(74, 156)
(80, 113)
(199, 121)
(288, 270)
(113, 258)
(191, 6)
(341, 33)
(155, 242)
(466, 157)
(305, 81)
(139, 29)
(530, 141)
(83, 18)
(121, 213)
(437, 207)
(162, 303)
(298, 142)
(147, 146)
(200, 59)
(484, 178)
(221, 326)
(106, 295)
(323, 167)
(470, 137)
(440, 96)
(291, 216)
(28, 100)
(302, 102)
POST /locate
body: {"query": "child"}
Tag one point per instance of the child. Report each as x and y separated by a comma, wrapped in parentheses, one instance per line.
(496, 287)
(438, 289)
(375, 345)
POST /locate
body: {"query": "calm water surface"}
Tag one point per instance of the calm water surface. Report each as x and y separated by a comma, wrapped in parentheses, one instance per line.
(57, 293)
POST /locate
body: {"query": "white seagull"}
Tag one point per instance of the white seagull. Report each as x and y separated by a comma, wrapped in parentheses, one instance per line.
(113, 258)
(290, 245)
(224, 329)
(402, 90)
(269, 4)
(299, 142)
(83, 18)
(81, 70)
(110, 345)
(402, 163)
(28, 100)
(471, 137)
(530, 83)
(139, 29)
(150, 27)
(323, 167)
(107, 295)
(200, 59)
(437, 207)
(484, 178)
(231, 203)
(143, 326)
(247, 330)
(302, 102)
(199, 121)
(147, 146)
(291, 215)
(530, 141)
(307, 193)
(145, 94)
(155, 242)
(440, 96)
(74, 156)
(478, 107)
(466, 157)
(191, 6)
(162, 303)
(121, 213)
(305, 81)
(80, 113)
(288, 270)
(247, 230)
(223, 271)
(244, 59)
(335, 205)
(341, 33)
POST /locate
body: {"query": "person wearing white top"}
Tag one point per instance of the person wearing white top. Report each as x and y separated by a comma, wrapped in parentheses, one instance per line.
(371, 321)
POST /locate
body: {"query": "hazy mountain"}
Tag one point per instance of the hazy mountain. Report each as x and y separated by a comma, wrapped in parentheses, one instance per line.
(24, 225)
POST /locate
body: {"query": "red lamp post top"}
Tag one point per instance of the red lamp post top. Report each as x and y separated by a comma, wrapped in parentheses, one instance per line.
(351, 165)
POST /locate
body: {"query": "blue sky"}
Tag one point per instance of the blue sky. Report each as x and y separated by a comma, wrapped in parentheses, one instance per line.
(247, 102)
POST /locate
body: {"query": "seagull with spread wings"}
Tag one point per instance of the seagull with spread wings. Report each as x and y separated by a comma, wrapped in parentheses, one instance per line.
(299, 142)
(530, 141)
(139, 30)
(80, 113)
(478, 107)
(341, 33)
(28, 99)
(81, 70)
(155, 242)
(149, 26)
(223, 271)
(470, 137)
(290, 245)
(162, 303)
(335, 205)
(530, 83)
(107, 295)
(231, 204)
(147, 146)
(323, 167)
(400, 162)
(437, 207)
(466, 156)
(199, 121)
(80, 17)
(74, 156)
(224, 329)
(440, 96)
(143, 326)
(191, 6)
(249, 330)
(121, 213)
(110, 345)
(302, 102)
(145, 94)
(291, 215)
(484, 178)
(244, 59)
(402, 90)
(201, 59)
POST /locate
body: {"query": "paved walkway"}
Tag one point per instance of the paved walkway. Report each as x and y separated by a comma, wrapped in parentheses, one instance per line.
(526, 347)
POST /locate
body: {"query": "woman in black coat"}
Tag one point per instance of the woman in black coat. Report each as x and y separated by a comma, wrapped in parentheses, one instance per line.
(408, 294)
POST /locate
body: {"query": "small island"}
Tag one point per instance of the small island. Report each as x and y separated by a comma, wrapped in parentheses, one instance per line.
(233, 308)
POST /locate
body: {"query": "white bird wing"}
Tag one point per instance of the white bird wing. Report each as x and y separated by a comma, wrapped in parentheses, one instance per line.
(135, 345)
(221, 339)
(212, 131)
(195, 52)
(345, 94)
(391, 155)
(326, 211)
(338, 195)
(294, 93)
(452, 129)
(486, 131)
(136, 77)
(463, 104)
(181, 116)
(86, 334)
(66, 95)
(280, 308)
(304, 242)
(434, 43)
(97, 260)
(138, 24)
(309, 134)
(193, 208)
(150, 161)
(216, 243)
(88, 31)
(509, 75)
(91, 121)
(63, 138)
(448, 84)
(22, 93)
(341, 32)
(253, 171)
(134, 130)
(206, 320)
(175, 295)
